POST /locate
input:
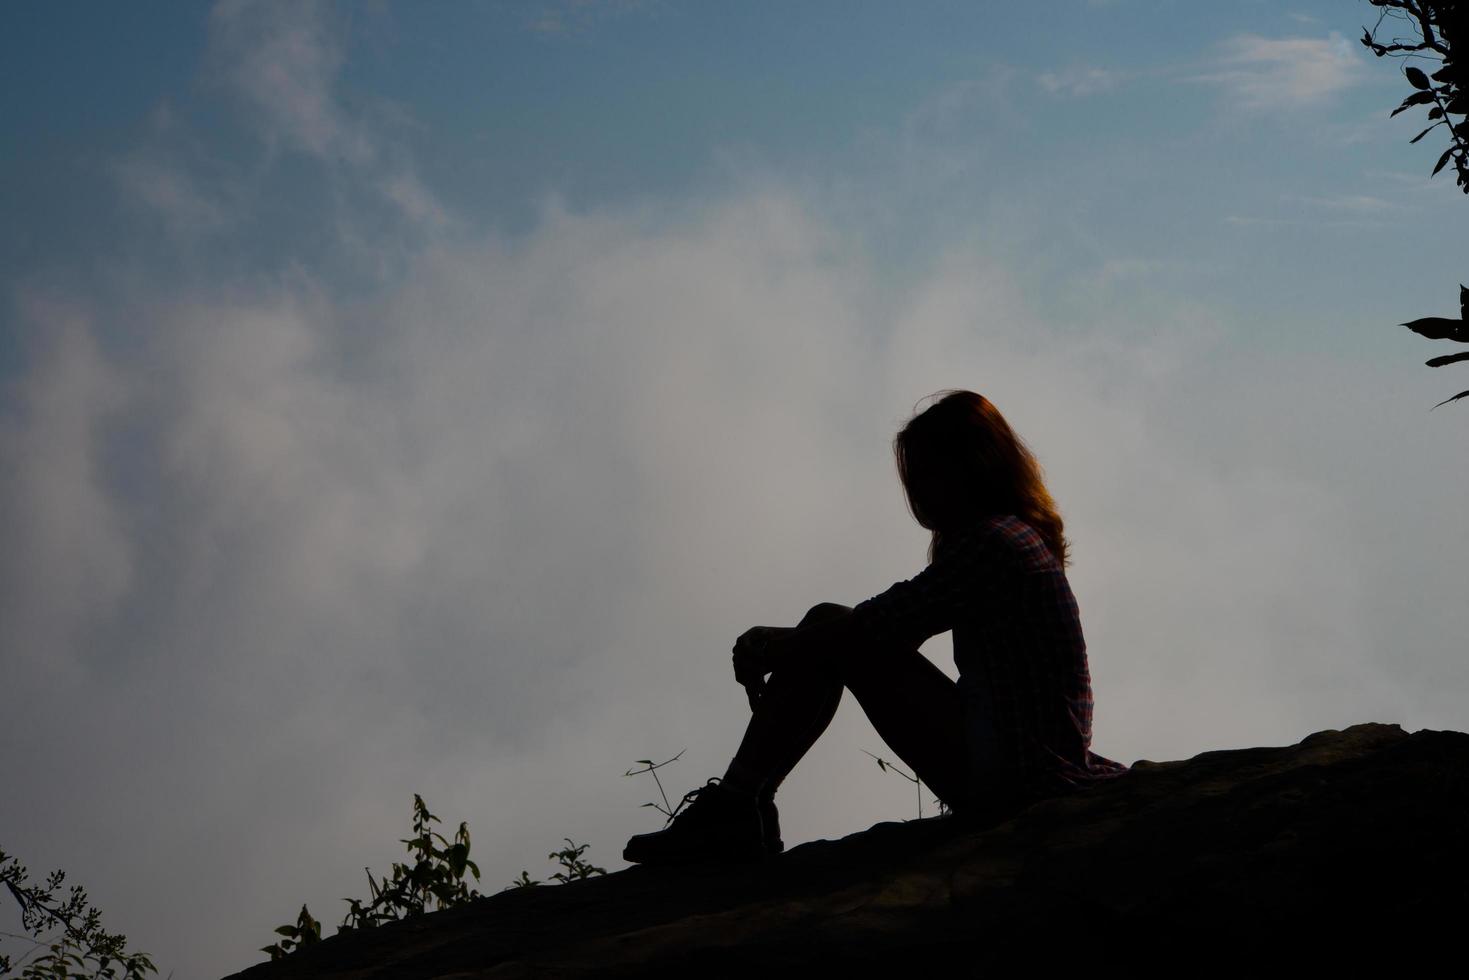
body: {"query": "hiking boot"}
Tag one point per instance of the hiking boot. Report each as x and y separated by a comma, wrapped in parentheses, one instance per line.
(716, 825)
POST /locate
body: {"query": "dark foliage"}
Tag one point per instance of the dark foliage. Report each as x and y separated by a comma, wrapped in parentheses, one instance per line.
(65, 932)
(1444, 328)
(1436, 32)
(432, 879)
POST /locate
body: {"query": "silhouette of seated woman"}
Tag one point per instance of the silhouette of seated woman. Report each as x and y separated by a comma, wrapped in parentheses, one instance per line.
(1017, 725)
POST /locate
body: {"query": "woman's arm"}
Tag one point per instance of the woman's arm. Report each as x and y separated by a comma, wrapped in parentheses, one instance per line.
(821, 641)
(903, 616)
(835, 633)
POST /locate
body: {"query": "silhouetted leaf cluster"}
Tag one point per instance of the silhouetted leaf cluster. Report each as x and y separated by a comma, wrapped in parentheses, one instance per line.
(66, 934)
(1443, 328)
(1438, 30)
(305, 932)
(573, 868)
(432, 879)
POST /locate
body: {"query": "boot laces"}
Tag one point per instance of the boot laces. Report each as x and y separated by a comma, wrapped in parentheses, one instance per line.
(691, 800)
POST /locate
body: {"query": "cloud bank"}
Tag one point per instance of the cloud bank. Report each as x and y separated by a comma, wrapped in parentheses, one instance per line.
(1283, 74)
(285, 548)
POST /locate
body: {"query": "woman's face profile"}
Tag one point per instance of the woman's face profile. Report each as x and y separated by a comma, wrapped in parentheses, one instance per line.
(932, 496)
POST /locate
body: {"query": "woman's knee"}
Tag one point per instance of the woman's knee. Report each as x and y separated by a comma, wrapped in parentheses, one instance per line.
(824, 611)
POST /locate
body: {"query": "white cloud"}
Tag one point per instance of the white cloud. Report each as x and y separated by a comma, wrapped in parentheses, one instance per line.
(1338, 210)
(1079, 82)
(935, 145)
(488, 539)
(282, 59)
(1283, 74)
(174, 194)
(1350, 203)
(485, 529)
(68, 557)
(577, 17)
(417, 203)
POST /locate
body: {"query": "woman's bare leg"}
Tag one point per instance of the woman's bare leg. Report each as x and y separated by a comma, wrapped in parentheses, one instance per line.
(795, 707)
(913, 705)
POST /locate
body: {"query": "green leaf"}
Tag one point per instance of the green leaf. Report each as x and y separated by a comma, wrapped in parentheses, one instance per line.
(1417, 98)
(1440, 328)
(1442, 160)
(1416, 78)
(1462, 394)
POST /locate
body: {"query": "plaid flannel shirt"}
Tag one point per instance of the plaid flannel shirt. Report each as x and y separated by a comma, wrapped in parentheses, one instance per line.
(1023, 675)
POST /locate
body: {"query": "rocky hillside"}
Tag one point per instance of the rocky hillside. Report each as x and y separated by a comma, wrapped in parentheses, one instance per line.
(1351, 844)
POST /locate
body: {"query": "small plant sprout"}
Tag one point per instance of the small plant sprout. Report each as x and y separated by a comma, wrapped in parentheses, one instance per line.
(573, 868)
(886, 766)
(305, 932)
(668, 810)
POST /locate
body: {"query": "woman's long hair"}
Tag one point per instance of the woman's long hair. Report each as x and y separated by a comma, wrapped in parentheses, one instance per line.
(960, 461)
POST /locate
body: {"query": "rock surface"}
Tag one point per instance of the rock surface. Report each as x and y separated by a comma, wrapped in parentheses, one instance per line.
(1350, 844)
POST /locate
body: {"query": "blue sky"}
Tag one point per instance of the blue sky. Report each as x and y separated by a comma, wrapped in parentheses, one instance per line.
(1151, 130)
(421, 398)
